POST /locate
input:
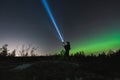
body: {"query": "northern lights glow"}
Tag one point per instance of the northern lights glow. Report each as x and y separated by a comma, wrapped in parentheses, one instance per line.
(52, 19)
(101, 43)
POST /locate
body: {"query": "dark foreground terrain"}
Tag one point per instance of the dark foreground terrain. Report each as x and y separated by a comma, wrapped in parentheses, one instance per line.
(76, 67)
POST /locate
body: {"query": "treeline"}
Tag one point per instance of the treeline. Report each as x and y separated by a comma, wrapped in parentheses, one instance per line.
(30, 51)
(110, 56)
(24, 52)
(110, 53)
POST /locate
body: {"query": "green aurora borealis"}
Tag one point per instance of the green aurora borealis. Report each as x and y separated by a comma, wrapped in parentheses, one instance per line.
(105, 41)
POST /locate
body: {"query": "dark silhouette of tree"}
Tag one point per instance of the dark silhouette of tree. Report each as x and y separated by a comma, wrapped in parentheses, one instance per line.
(22, 52)
(13, 54)
(30, 51)
(4, 50)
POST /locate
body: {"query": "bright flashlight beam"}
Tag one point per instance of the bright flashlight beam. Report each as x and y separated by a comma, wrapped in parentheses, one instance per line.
(52, 18)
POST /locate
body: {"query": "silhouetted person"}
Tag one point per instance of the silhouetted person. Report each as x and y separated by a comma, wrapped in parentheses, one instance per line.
(67, 49)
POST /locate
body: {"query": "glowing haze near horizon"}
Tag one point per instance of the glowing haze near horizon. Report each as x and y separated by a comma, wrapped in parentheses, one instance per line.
(91, 26)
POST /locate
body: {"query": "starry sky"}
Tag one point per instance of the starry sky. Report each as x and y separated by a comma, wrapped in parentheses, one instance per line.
(90, 25)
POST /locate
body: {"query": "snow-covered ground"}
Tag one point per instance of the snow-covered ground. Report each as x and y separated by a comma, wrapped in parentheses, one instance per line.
(22, 66)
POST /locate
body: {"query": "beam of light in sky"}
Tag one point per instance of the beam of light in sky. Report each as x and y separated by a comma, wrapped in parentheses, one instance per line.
(52, 19)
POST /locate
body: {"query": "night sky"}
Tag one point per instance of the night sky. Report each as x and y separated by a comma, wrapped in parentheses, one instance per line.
(90, 25)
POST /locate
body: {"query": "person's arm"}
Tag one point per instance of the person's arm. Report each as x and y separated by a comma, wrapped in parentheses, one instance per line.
(63, 44)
